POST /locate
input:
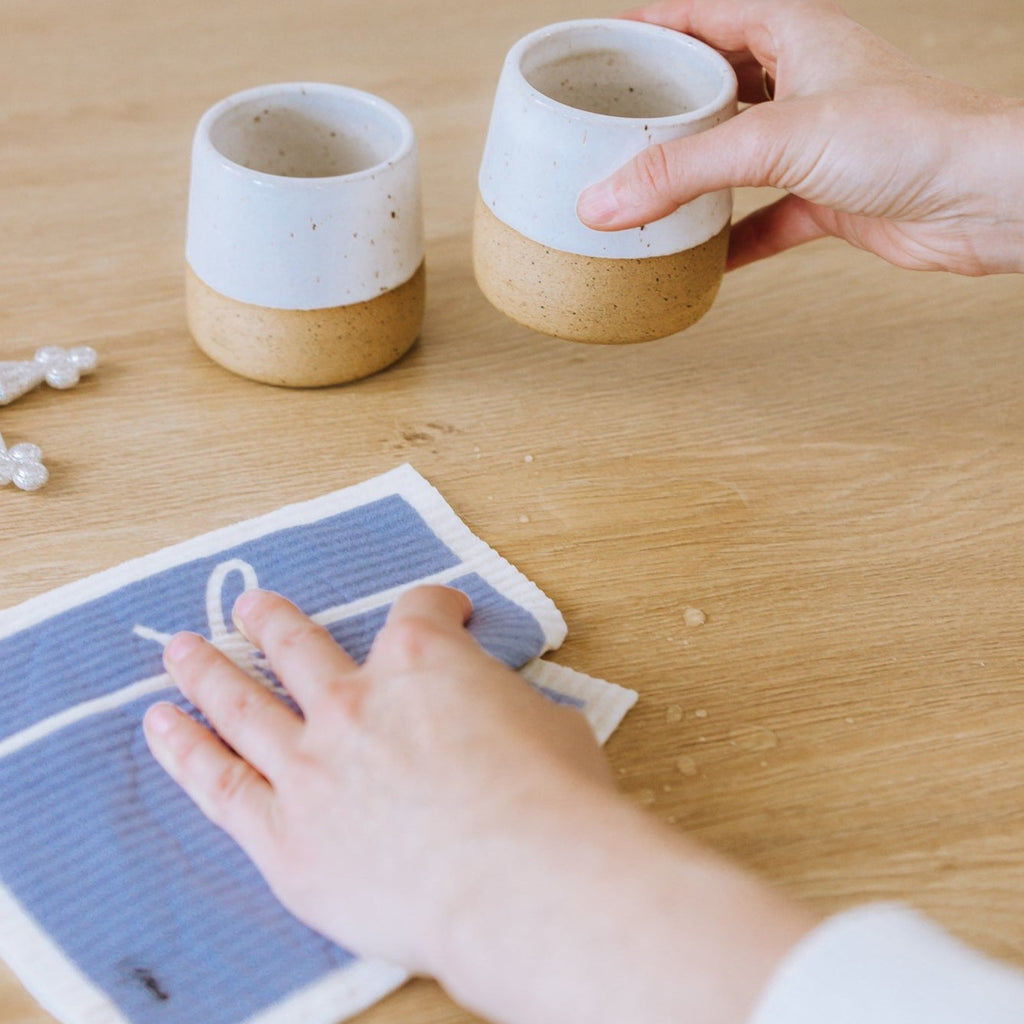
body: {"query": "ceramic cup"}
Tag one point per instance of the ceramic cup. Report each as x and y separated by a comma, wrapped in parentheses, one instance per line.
(574, 102)
(305, 236)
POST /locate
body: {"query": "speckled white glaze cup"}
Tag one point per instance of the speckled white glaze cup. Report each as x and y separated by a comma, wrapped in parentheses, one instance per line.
(304, 242)
(574, 102)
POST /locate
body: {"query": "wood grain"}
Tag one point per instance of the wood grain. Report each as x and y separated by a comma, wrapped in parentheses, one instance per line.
(830, 466)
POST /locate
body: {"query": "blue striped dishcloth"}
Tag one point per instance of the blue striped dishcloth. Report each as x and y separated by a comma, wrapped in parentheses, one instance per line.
(119, 902)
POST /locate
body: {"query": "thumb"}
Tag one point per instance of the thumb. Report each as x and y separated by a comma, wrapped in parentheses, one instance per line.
(663, 177)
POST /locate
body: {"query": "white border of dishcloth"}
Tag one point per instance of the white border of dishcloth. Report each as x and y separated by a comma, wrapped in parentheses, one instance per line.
(54, 980)
(604, 704)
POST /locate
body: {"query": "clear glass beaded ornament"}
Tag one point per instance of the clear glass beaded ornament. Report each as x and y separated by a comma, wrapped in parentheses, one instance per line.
(22, 464)
(60, 368)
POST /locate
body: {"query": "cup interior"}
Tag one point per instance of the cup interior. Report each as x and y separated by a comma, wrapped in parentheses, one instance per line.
(623, 69)
(304, 132)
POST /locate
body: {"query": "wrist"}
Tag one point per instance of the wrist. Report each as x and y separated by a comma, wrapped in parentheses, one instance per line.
(995, 149)
(600, 912)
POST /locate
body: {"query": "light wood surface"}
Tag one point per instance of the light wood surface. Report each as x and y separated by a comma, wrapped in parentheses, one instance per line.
(830, 466)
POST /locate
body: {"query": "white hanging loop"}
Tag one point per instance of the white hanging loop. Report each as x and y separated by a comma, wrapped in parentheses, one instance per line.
(228, 640)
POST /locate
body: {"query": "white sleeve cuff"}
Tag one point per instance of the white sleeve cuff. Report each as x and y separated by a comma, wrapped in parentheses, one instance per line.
(885, 964)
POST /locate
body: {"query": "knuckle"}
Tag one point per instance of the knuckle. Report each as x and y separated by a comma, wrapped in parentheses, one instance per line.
(411, 638)
(238, 706)
(225, 790)
(653, 172)
(298, 634)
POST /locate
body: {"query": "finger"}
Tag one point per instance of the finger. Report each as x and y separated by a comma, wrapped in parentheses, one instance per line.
(417, 623)
(447, 606)
(245, 714)
(741, 151)
(731, 25)
(225, 788)
(303, 654)
(782, 225)
(731, 37)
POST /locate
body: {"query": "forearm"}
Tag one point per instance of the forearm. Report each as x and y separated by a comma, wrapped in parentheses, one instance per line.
(599, 912)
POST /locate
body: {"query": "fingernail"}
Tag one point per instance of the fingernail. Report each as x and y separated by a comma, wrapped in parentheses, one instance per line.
(597, 204)
(180, 646)
(244, 604)
(160, 719)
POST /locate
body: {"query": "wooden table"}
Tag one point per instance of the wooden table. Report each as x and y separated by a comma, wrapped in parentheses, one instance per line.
(830, 466)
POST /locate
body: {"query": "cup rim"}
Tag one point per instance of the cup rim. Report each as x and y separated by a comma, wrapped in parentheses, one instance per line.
(406, 140)
(722, 98)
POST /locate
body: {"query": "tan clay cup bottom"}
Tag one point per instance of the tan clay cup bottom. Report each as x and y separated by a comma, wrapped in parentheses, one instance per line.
(591, 298)
(305, 348)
